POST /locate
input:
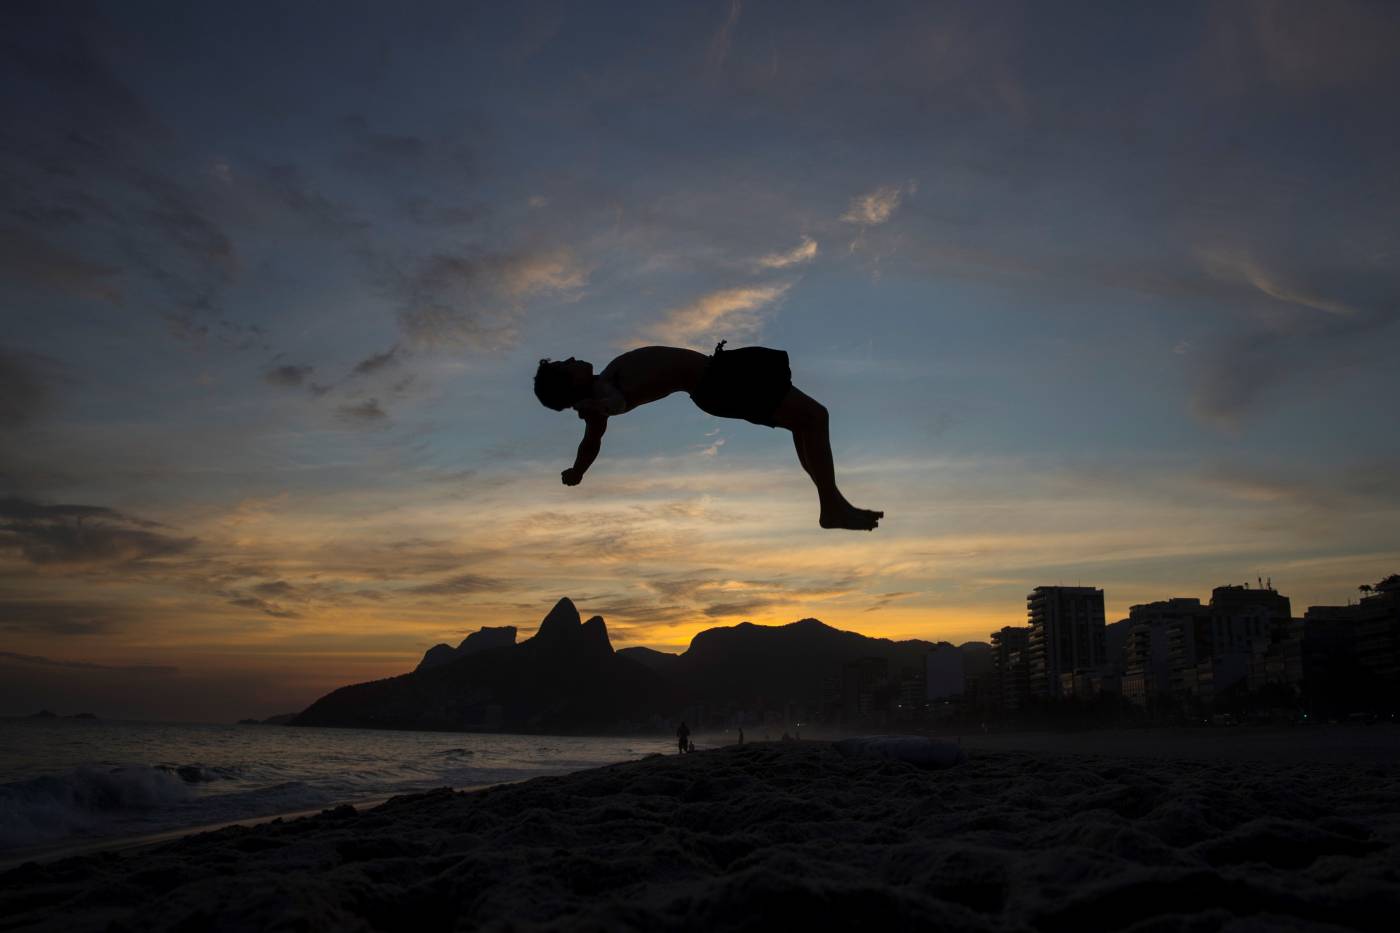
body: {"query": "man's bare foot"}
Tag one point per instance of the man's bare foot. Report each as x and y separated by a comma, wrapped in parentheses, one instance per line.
(846, 515)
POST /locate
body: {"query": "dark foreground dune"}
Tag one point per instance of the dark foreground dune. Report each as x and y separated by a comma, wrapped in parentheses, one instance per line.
(784, 835)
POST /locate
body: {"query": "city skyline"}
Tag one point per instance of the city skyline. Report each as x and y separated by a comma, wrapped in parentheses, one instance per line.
(1091, 294)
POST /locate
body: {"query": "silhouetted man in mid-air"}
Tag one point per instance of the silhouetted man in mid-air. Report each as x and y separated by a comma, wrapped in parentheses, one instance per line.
(753, 383)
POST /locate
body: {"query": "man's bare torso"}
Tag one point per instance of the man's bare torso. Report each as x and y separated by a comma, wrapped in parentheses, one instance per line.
(649, 373)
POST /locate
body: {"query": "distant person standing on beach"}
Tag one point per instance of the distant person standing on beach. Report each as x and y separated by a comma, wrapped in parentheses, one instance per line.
(683, 736)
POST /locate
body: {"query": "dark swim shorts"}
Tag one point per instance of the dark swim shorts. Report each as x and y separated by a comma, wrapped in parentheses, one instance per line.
(747, 383)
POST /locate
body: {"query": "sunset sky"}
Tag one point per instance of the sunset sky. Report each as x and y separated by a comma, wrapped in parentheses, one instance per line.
(1095, 293)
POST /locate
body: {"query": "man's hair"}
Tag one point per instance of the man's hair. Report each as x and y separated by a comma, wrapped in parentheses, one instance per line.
(553, 387)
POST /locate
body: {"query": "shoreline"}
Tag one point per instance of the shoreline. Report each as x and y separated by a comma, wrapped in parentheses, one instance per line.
(1336, 743)
(125, 844)
(128, 844)
(723, 838)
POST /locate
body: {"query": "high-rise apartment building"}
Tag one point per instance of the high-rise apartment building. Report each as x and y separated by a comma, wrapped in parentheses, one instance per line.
(1066, 636)
(1154, 629)
(1353, 652)
(1011, 667)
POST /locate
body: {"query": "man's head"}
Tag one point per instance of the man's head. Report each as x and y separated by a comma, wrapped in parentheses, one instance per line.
(559, 384)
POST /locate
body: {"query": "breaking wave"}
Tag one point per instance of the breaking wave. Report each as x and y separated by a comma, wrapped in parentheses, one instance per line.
(51, 807)
(60, 784)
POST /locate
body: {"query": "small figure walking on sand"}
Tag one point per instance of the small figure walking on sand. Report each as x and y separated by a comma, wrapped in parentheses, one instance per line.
(683, 737)
(752, 383)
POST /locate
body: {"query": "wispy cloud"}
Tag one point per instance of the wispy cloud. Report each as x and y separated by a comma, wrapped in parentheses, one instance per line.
(263, 606)
(459, 585)
(376, 361)
(728, 314)
(24, 390)
(712, 449)
(1300, 46)
(474, 302)
(719, 45)
(289, 375)
(41, 661)
(804, 252)
(81, 534)
(57, 616)
(884, 599)
(28, 261)
(876, 207)
(1297, 327)
(1240, 267)
(363, 413)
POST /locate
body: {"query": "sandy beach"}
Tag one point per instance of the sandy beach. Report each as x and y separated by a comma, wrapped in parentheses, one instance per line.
(791, 834)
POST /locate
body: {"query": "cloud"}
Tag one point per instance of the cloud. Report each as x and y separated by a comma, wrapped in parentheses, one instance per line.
(263, 606)
(401, 160)
(289, 375)
(805, 251)
(23, 393)
(1243, 268)
(379, 147)
(1301, 326)
(1364, 487)
(84, 158)
(60, 618)
(526, 275)
(884, 599)
(175, 214)
(81, 534)
(53, 57)
(287, 187)
(876, 207)
(460, 585)
(729, 314)
(31, 262)
(719, 44)
(376, 362)
(428, 212)
(276, 589)
(366, 412)
(738, 607)
(474, 302)
(1301, 46)
(643, 613)
(156, 670)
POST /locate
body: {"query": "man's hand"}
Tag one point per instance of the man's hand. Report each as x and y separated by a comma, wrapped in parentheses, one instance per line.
(572, 476)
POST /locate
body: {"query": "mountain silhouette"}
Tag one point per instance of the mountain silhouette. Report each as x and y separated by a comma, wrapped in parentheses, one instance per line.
(477, 641)
(567, 677)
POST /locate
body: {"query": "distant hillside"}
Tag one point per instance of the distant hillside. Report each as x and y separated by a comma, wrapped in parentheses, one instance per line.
(797, 662)
(663, 663)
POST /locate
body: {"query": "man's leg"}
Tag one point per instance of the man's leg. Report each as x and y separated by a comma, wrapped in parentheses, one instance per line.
(807, 419)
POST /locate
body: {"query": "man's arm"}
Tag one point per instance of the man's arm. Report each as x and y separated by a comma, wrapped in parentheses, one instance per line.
(596, 424)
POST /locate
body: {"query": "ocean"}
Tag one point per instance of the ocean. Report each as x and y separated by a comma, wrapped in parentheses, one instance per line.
(67, 784)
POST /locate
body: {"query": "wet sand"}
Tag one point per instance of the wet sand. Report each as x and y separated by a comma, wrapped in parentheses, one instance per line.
(785, 834)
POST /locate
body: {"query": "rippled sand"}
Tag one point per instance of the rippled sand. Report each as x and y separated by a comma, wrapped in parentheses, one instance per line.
(772, 835)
